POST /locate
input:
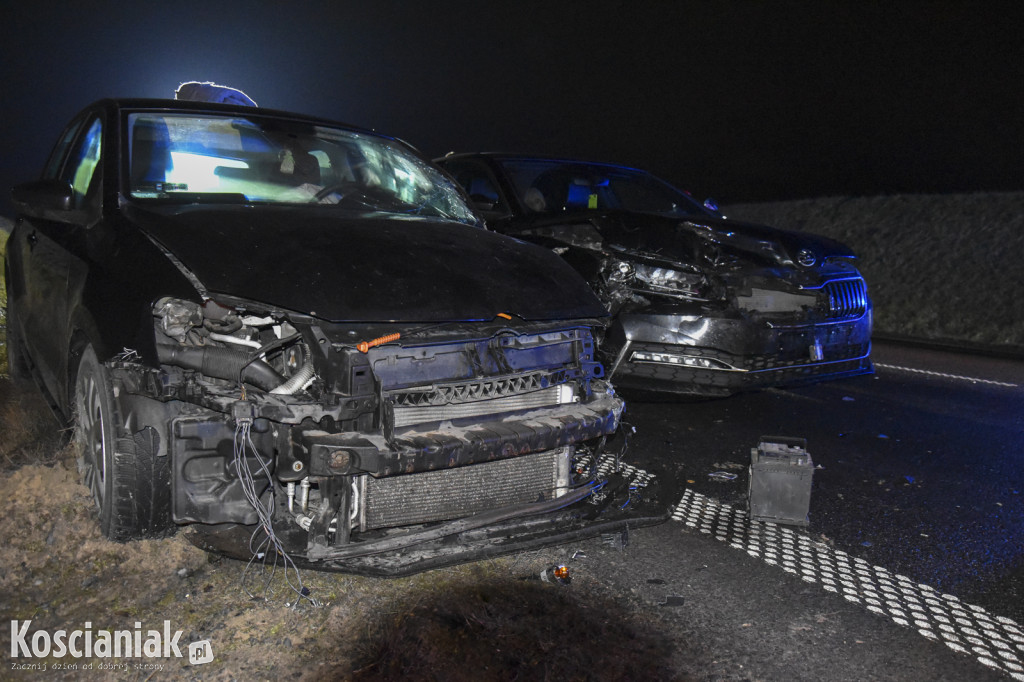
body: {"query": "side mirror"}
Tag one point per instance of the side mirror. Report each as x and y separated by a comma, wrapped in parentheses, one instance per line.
(51, 199)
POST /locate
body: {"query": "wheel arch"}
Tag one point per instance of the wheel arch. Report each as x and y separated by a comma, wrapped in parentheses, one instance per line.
(83, 333)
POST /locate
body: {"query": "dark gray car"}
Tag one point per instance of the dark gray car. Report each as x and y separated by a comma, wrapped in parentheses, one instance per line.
(703, 305)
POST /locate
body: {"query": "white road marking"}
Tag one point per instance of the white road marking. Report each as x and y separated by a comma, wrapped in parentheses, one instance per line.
(944, 375)
(994, 641)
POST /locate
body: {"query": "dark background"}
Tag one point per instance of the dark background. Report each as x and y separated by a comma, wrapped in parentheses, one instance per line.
(746, 101)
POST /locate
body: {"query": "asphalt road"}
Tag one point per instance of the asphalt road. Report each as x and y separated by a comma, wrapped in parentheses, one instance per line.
(912, 566)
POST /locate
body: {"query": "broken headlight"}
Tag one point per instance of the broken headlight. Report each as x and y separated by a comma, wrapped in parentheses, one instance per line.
(618, 272)
(670, 281)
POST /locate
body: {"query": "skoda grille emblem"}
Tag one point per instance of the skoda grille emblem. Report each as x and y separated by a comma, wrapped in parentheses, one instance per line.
(805, 258)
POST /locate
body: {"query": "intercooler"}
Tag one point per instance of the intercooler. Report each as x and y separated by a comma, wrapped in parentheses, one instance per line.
(463, 491)
(404, 416)
(476, 399)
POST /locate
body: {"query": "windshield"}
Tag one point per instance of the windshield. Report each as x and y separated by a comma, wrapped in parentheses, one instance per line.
(547, 186)
(199, 158)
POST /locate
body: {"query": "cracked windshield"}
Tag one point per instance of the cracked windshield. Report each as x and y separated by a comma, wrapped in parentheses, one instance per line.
(219, 159)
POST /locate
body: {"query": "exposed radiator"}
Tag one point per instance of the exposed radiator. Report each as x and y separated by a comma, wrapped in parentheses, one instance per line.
(454, 493)
(847, 298)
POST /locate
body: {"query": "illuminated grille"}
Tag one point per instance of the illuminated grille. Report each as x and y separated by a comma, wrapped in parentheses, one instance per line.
(455, 493)
(847, 298)
(473, 399)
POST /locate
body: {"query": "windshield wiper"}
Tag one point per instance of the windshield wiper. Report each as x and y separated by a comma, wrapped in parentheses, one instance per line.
(197, 197)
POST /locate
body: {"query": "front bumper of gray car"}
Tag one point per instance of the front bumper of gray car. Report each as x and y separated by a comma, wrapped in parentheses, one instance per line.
(702, 353)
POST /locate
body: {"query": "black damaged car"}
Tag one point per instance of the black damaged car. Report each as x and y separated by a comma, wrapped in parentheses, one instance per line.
(703, 305)
(270, 326)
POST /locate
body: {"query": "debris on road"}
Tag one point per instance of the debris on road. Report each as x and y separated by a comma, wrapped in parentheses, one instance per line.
(558, 574)
(780, 481)
(617, 541)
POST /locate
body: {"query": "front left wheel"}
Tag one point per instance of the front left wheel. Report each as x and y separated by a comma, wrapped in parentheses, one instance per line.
(128, 481)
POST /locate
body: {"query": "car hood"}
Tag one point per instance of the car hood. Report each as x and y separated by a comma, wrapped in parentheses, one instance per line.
(696, 240)
(343, 266)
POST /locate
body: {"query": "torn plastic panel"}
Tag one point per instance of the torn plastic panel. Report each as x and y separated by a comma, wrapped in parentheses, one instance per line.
(346, 443)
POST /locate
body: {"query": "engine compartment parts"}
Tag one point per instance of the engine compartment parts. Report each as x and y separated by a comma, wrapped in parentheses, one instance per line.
(388, 456)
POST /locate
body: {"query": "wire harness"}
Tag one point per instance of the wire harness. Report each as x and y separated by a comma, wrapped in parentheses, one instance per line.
(267, 550)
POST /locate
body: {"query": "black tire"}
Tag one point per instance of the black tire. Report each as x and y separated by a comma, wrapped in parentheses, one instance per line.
(128, 481)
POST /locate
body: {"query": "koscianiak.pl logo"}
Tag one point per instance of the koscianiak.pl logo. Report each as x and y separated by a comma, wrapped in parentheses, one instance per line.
(89, 643)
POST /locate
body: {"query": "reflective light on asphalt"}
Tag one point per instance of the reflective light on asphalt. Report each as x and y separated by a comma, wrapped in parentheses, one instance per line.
(994, 641)
(957, 377)
(608, 464)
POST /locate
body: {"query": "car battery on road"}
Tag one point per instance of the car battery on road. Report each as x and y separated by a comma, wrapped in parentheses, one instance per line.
(780, 480)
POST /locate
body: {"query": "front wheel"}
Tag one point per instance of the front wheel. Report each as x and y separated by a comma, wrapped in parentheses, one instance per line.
(129, 482)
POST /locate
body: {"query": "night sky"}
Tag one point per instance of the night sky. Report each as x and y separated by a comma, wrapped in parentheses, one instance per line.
(745, 101)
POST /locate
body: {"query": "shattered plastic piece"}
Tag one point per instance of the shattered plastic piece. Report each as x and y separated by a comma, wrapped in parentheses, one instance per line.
(656, 581)
(910, 479)
(558, 574)
(673, 600)
(618, 541)
(882, 435)
(722, 475)
(867, 543)
(579, 554)
(848, 399)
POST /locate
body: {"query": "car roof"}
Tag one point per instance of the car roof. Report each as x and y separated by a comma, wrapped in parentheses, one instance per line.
(130, 103)
(513, 156)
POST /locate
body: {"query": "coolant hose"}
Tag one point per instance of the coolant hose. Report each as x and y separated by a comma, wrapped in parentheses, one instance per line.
(221, 363)
(299, 379)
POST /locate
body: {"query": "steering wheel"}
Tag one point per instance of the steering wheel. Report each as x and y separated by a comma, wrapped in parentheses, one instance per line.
(334, 188)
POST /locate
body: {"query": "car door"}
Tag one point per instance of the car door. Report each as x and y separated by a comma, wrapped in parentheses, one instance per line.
(46, 243)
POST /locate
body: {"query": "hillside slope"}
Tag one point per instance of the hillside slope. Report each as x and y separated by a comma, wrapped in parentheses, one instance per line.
(939, 267)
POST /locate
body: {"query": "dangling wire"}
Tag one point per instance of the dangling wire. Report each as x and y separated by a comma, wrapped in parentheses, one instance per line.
(262, 548)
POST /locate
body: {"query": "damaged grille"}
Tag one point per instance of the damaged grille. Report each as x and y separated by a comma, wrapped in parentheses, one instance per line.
(473, 399)
(455, 493)
(847, 299)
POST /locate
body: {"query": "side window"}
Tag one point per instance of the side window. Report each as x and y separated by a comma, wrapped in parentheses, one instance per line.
(480, 185)
(81, 169)
(60, 151)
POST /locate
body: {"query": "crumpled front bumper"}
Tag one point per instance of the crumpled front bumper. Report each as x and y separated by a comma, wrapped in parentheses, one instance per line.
(434, 495)
(621, 496)
(717, 355)
(429, 449)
